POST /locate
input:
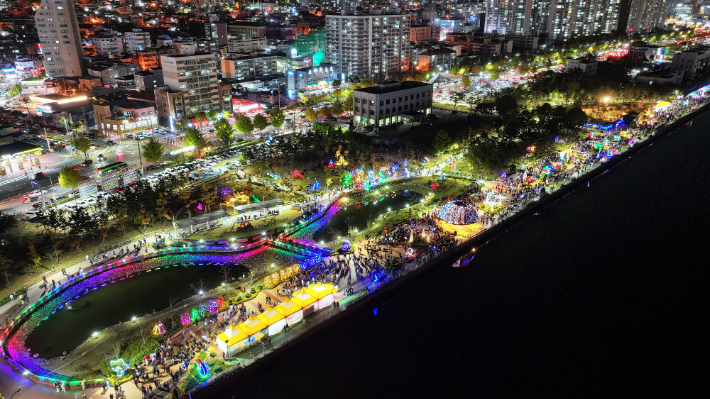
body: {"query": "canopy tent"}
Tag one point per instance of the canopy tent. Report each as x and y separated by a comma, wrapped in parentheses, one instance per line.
(275, 320)
(232, 344)
(323, 293)
(290, 310)
(306, 301)
(254, 328)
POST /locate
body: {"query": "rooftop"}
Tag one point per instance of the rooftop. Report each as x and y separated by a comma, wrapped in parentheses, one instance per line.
(389, 87)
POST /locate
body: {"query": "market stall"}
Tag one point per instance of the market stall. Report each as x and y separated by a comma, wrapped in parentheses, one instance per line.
(232, 340)
(254, 328)
(323, 293)
(292, 312)
(272, 318)
(306, 301)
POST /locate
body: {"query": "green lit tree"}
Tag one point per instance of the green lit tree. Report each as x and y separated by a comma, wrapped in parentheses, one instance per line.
(260, 122)
(277, 117)
(224, 132)
(243, 124)
(69, 178)
(153, 150)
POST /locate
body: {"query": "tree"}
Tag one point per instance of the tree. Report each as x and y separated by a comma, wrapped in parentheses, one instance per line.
(224, 132)
(77, 127)
(200, 118)
(194, 137)
(277, 117)
(311, 114)
(7, 222)
(5, 268)
(337, 108)
(442, 142)
(34, 256)
(324, 112)
(208, 196)
(82, 144)
(69, 178)
(260, 122)
(153, 150)
(212, 115)
(466, 81)
(506, 104)
(243, 124)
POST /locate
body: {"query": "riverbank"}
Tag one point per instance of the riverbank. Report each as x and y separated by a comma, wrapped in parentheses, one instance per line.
(591, 297)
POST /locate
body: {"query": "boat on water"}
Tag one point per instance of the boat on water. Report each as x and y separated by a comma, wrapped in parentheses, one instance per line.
(464, 260)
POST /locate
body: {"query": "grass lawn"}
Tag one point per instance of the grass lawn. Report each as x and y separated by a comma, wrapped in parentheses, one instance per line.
(270, 223)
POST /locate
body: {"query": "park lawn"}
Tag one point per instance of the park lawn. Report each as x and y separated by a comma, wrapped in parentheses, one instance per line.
(261, 225)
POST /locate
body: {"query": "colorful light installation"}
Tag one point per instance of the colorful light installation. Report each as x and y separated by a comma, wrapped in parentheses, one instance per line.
(458, 212)
(201, 368)
(185, 319)
(194, 315)
(159, 328)
(119, 367)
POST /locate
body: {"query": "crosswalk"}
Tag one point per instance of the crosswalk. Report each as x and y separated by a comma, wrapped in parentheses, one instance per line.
(13, 179)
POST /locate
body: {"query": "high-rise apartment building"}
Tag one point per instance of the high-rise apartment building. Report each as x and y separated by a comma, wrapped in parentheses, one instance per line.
(647, 14)
(559, 19)
(58, 32)
(368, 45)
(196, 77)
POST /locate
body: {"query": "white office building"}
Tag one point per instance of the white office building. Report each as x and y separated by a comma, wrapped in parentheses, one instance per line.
(368, 45)
(58, 32)
(107, 45)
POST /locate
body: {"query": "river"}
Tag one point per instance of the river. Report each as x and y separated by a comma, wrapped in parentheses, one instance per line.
(604, 293)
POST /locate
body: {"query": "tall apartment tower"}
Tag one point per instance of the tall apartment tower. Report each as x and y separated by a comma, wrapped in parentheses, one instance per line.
(368, 45)
(647, 14)
(559, 19)
(58, 32)
(196, 77)
(508, 17)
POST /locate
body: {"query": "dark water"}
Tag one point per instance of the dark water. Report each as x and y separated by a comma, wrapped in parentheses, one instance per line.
(118, 302)
(363, 212)
(604, 294)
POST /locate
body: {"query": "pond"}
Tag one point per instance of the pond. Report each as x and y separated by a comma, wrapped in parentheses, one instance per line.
(359, 214)
(119, 302)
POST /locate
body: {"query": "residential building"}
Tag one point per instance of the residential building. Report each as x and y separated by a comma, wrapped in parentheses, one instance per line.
(58, 32)
(146, 59)
(123, 117)
(640, 52)
(368, 45)
(147, 81)
(170, 104)
(251, 67)
(586, 65)
(560, 20)
(246, 30)
(109, 71)
(137, 40)
(246, 45)
(390, 103)
(437, 60)
(217, 32)
(660, 77)
(196, 76)
(419, 33)
(107, 45)
(312, 78)
(691, 62)
(645, 15)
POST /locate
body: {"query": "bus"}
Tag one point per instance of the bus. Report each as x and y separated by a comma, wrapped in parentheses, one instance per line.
(111, 168)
